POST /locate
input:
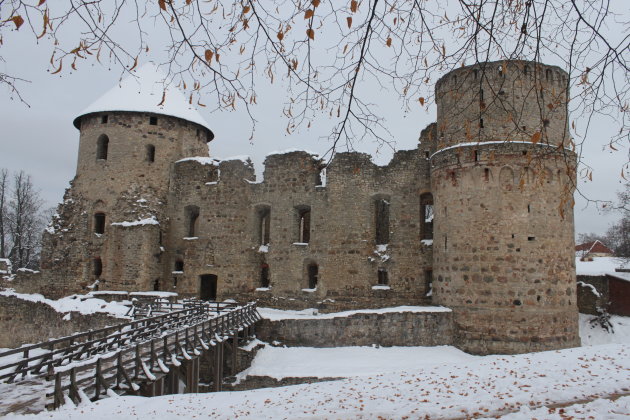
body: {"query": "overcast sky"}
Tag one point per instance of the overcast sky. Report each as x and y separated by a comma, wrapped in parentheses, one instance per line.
(41, 140)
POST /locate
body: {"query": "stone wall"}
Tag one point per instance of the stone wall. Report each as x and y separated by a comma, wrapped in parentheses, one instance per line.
(363, 329)
(24, 322)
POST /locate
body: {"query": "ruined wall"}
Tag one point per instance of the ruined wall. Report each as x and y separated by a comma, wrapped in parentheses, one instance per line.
(363, 329)
(503, 248)
(341, 241)
(23, 322)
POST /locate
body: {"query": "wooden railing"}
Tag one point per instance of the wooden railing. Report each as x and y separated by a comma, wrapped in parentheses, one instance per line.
(123, 355)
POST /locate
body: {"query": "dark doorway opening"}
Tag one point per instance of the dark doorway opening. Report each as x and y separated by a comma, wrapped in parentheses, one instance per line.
(208, 287)
(312, 276)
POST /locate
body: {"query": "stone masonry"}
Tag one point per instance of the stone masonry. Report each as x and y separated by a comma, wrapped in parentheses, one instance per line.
(477, 218)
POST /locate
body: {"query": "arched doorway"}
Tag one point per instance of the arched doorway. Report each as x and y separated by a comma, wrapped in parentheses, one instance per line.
(208, 287)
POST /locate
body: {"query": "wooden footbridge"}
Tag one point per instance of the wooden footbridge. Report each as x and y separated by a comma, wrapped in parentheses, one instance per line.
(151, 356)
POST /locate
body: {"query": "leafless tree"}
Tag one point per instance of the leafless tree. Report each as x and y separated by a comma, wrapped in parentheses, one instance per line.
(21, 220)
(331, 54)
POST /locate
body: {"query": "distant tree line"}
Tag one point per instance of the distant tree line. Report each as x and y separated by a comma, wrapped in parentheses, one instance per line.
(617, 237)
(22, 220)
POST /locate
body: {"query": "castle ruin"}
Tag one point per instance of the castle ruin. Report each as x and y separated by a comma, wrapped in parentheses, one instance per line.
(477, 218)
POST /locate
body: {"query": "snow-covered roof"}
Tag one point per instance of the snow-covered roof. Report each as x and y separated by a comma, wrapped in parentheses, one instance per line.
(142, 92)
(599, 266)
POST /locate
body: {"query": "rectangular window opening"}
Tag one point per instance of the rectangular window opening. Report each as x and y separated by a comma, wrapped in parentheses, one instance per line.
(382, 277)
(153, 120)
(531, 238)
(104, 119)
(99, 223)
(381, 221)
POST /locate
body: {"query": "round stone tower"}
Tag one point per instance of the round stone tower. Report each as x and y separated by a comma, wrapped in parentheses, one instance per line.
(503, 178)
(110, 226)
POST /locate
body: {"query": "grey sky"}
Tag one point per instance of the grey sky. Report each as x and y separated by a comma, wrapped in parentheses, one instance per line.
(42, 141)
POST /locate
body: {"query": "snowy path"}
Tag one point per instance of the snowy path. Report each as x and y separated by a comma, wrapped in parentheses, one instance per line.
(343, 362)
(485, 386)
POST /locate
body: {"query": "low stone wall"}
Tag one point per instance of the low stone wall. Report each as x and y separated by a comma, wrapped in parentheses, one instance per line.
(362, 329)
(592, 294)
(23, 281)
(255, 382)
(23, 322)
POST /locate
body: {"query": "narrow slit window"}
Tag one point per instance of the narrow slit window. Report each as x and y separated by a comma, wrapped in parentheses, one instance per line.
(99, 223)
(476, 156)
(102, 146)
(529, 208)
(445, 242)
(480, 122)
(313, 275)
(150, 153)
(264, 225)
(426, 216)
(481, 94)
(304, 225)
(381, 221)
(486, 174)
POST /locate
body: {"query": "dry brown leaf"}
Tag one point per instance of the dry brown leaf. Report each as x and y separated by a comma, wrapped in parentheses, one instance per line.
(163, 99)
(349, 20)
(280, 36)
(308, 14)
(18, 20)
(421, 101)
(310, 33)
(536, 137)
(389, 42)
(316, 3)
(162, 4)
(354, 4)
(209, 55)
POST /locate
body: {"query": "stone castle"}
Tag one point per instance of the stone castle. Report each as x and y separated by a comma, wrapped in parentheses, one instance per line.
(477, 218)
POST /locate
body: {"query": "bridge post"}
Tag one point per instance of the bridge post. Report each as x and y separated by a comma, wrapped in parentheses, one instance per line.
(234, 351)
(218, 366)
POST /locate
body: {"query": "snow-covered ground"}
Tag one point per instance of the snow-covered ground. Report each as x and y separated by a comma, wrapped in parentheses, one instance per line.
(336, 362)
(481, 387)
(600, 266)
(414, 382)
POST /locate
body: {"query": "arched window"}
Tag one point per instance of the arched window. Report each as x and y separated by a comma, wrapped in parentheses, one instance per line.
(102, 144)
(381, 221)
(426, 216)
(99, 223)
(191, 214)
(150, 153)
(97, 267)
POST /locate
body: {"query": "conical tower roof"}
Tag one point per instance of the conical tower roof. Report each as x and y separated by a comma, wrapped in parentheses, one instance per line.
(142, 92)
